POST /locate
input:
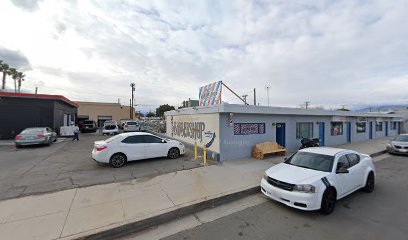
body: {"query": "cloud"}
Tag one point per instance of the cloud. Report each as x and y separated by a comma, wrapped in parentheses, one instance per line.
(328, 52)
(15, 59)
(28, 5)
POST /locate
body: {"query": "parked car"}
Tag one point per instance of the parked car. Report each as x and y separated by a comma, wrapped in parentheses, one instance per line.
(131, 126)
(110, 127)
(314, 178)
(399, 145)
(88, 126)
(124, 147)
(32, 136)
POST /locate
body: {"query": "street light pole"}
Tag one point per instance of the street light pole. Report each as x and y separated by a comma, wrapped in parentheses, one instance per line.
(132, 85)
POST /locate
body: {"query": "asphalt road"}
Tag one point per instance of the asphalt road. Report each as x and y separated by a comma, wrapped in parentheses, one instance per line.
(67, 164)
(382, 214)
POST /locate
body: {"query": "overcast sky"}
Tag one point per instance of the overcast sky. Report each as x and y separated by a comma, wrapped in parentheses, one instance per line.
(331, 53)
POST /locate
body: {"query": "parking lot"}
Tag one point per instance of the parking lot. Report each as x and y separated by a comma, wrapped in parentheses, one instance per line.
(67, 164)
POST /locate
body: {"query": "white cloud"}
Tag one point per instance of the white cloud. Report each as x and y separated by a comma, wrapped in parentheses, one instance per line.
(327, 52)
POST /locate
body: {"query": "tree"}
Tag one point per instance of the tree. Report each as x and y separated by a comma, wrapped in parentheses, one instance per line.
(141, 114)
(4, 68)
(14, 75)
(20, 78)
(163, 108)
(150, 114)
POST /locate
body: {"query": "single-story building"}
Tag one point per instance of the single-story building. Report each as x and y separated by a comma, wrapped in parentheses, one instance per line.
(103, 111)
(231, 131)
(23, 110)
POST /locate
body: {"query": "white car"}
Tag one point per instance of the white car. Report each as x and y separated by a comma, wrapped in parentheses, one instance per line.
(131, 126)
(314, 178)
(110, 127)
(125, 147)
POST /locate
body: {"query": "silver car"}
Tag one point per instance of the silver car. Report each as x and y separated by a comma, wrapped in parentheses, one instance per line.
(131, 126)
(398, 145)
(32, 136)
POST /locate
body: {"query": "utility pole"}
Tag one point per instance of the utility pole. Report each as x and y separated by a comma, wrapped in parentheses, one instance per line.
(244, 97)
(132, 85)
(130, 108)
(307, 104)
(254, 97)
(267, 92)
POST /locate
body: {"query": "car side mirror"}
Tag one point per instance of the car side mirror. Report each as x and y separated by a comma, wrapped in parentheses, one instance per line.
(342, 171)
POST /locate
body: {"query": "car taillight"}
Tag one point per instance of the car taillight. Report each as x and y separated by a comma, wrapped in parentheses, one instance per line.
(19, 137)
(40, 136)
(101, 148)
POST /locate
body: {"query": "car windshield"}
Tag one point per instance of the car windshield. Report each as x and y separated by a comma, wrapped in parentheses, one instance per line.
(402, 138)
(111, 139)
(33, 131)
(88, 122)
(313, 161)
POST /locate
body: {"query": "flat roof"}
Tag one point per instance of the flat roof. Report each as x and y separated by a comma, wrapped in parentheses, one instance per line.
(39, 96)
(251, 109)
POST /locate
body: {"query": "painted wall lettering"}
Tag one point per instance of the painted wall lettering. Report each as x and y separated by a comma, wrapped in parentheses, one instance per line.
(193, 130)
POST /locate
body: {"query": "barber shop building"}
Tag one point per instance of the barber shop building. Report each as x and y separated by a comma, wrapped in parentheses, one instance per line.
(231, 131)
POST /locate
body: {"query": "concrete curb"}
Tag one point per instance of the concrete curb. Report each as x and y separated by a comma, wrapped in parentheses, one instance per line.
(134, 227)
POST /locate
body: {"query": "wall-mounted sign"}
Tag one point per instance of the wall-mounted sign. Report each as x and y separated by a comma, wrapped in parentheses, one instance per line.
(210, 94)
(249, 128)
(339, 119)
(193, 130)
(361, 119)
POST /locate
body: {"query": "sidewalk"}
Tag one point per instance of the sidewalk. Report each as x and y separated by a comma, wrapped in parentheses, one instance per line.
(107, 210)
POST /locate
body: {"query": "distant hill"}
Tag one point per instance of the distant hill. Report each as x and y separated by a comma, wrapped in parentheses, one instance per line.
(382, 108)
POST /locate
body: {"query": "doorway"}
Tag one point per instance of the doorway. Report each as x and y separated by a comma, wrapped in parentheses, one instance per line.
(321, 133)
(280, 134)
(348, 131)
(370, 130)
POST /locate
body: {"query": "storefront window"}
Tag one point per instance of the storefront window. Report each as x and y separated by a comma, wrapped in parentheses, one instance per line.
(304, 130)
(393, 126)
(378, 126)
(361, 127)
(336, 128)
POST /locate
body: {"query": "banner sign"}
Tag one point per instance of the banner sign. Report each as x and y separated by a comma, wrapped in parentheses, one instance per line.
(210, 94)
(249, 128)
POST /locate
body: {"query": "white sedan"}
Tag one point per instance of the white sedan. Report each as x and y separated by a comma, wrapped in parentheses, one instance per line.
(314, 178)
(132, 146)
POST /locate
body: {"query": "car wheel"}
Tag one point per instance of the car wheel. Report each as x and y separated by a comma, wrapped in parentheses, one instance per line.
(18, 146)
(370, 183)
(118, 160)
(55, 139)
(173, 153)
(328, 201)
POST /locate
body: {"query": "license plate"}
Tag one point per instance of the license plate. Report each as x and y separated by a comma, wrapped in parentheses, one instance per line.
(403, 150)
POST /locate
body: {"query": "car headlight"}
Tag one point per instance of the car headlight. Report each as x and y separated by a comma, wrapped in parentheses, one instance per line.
(265, 176)
(305, 188)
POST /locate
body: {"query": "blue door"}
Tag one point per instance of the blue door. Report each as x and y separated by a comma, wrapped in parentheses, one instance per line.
(386, 129)
(280, 134)
(399, 127)
(348, 131)
(321, 133)
(370, 130)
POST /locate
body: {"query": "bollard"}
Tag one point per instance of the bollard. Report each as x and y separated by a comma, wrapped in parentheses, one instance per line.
(205, 156)
(195, 151)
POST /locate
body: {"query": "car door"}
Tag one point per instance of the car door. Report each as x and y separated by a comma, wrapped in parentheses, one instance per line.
(343, 182)
(355, 170)
(133, 147)
(155, 147)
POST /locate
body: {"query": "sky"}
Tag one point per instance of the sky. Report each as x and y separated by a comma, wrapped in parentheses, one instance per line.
(330, 53)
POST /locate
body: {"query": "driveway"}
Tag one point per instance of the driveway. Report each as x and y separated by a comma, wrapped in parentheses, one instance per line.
(67, 164)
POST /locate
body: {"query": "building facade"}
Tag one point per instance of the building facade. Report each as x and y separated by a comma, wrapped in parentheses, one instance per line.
(23, 110)
(231, 131)
(101, 112)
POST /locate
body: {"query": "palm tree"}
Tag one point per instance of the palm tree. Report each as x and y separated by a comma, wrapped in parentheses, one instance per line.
(14, 74)
(20, 78)
(4, 68)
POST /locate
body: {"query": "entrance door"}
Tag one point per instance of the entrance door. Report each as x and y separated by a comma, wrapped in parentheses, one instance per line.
(370, 130)
(399, 127)
(321, 133)
(386, 129)
(348, 131)
(280, 134)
